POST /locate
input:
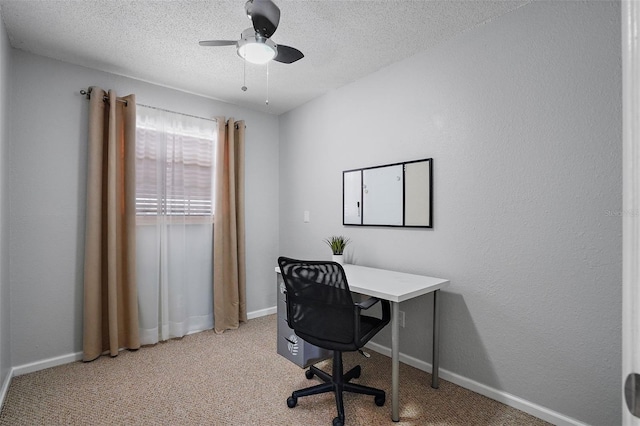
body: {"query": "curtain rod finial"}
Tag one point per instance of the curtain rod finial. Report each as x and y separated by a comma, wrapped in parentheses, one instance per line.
(86, 93)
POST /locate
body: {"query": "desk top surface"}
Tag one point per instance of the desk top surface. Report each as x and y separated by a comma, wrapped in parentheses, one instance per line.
(389, 285)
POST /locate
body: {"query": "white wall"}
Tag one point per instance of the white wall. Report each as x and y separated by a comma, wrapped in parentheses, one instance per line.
(523, 119)
(47, 197)
(5, 65)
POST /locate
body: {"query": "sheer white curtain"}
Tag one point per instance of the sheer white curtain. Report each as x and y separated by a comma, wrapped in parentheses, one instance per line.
(174, 193)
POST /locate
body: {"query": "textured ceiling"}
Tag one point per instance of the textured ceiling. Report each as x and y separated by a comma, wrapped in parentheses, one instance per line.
(157, 41)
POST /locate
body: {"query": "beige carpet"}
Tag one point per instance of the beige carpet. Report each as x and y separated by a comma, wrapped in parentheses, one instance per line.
(235, 378)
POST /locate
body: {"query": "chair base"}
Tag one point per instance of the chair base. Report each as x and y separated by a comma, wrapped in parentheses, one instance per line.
(338, 382)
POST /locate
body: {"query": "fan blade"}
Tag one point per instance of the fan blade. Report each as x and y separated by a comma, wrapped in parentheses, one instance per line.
(265, 16)
(218, 42)
(288, 54)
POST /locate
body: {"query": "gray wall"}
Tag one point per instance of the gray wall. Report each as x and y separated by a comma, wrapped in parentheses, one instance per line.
(522, 116)
(5, 65)
(47, 197)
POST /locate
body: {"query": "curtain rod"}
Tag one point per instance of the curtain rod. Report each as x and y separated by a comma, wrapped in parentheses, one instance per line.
(104, 98)
(179, 113)
(87, 93)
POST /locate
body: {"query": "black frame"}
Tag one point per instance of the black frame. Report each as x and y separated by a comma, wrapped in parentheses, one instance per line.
(403, 164)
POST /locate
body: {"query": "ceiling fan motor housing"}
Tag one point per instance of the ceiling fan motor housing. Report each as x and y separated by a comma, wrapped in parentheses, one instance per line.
(256, 48)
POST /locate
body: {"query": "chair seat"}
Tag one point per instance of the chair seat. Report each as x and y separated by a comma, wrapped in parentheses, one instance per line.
(369, 326)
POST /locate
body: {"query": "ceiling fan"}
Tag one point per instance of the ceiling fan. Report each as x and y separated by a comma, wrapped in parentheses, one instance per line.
(255, 43)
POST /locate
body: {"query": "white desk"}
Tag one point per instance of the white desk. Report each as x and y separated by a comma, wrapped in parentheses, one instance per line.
(397, 287)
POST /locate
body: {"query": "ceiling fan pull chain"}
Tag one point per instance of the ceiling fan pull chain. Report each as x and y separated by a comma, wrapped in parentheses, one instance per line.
(244, 74)
(267, 101)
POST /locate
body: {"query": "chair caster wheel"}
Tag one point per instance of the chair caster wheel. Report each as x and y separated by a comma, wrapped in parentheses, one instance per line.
(379, 400)
(292, 401)
(308, 374)
(338, 422)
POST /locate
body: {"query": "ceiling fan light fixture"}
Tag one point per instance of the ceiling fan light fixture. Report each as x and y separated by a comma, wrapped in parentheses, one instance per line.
(256, 52)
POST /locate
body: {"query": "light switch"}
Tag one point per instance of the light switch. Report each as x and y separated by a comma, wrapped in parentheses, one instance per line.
(306, 216)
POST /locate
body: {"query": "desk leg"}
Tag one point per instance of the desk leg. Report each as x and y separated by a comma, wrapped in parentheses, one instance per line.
(395, 360)
(435, 370)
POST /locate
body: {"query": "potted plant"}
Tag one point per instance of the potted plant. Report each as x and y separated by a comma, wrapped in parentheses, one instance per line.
(337, 243)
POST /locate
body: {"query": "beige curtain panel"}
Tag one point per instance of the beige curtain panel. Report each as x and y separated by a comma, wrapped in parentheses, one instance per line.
(229, 276)
(110, 295)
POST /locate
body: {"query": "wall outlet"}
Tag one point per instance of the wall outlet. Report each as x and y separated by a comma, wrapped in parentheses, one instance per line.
(402, 319)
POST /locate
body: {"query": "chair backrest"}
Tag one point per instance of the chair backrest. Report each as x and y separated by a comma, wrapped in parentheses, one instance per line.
(319, 303)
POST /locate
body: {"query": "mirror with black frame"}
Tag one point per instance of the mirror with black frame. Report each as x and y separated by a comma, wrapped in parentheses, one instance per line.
(398, 194)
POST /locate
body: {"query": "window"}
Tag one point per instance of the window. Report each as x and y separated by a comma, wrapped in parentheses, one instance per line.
(174, 233)
(174, 164)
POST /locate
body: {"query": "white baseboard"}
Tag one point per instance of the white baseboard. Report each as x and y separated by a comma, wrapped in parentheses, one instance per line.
(536, 410)
(45, 363)
(5, 386)
(261, 313)
(34, 366)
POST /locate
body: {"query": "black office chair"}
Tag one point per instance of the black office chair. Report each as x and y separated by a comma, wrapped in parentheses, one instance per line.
(321, 311)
